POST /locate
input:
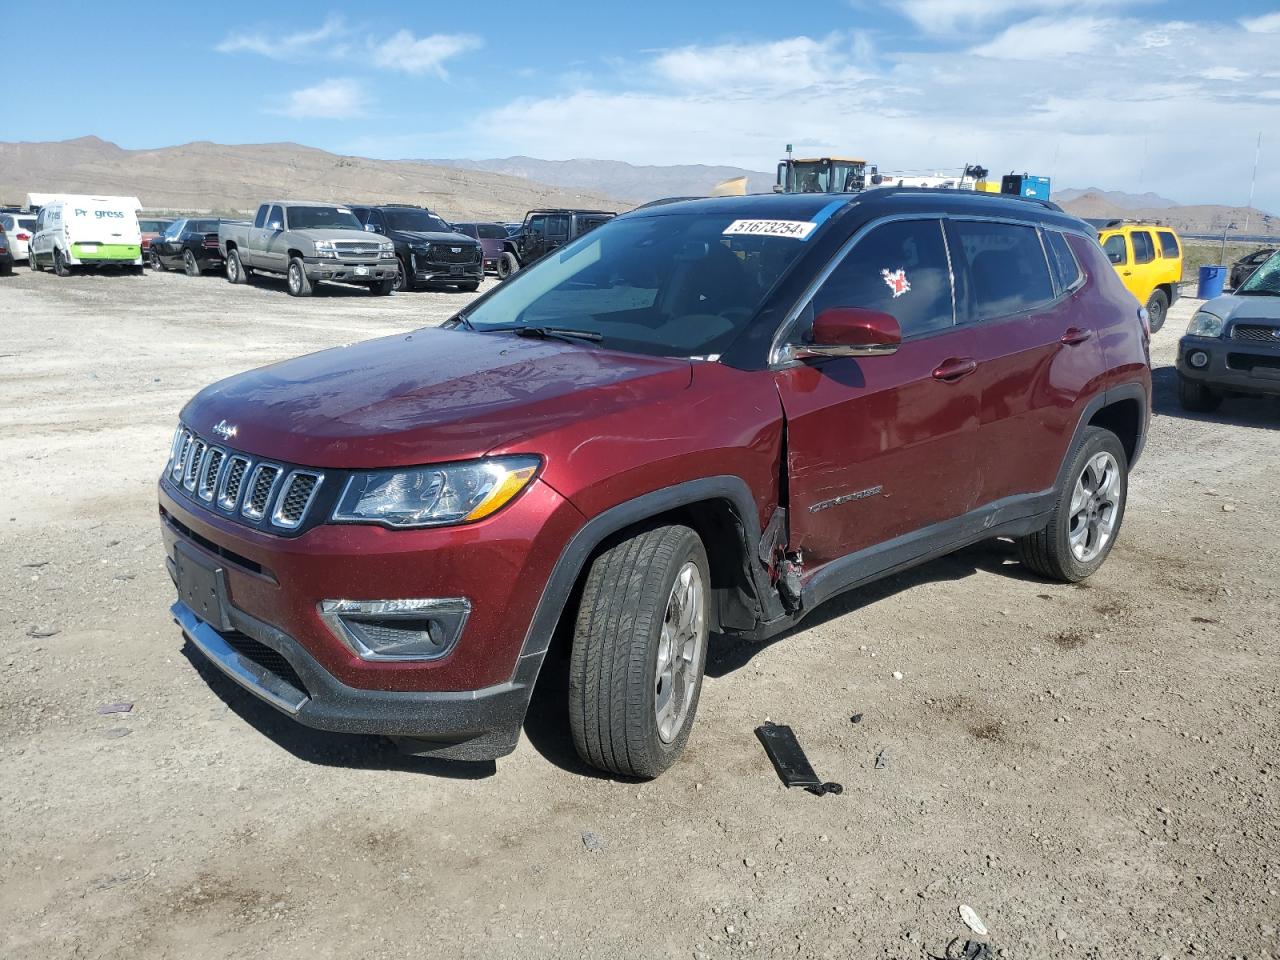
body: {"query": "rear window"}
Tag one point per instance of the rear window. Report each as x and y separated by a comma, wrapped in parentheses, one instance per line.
(899, 268)
(1008, 272)
(1168, 245)
(1144, 251)
(1062, 262)
(491, 231)
(204, 226)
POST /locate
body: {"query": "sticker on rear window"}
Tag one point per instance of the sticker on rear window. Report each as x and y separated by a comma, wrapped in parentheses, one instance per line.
(897, 281)
(795, 229)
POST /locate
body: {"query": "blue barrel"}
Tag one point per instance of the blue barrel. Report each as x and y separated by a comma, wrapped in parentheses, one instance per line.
(1211, 282)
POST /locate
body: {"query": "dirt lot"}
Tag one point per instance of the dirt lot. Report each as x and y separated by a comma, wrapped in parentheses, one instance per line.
(1092, 768)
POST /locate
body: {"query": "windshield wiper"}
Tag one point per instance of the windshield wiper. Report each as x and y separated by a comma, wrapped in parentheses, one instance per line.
(461, 318)
(547, 333)
(1256, 293)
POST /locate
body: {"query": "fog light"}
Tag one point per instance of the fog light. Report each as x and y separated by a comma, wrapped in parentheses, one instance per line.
(424, 629)
(1198, 359)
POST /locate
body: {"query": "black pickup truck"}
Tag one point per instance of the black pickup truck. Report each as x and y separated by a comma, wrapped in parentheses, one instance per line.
(542, 232)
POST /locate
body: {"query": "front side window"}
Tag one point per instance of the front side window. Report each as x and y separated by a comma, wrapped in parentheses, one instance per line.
(276, 218)
(1115, 250)
(1144, 251)
(322, 218)
(1008, 272)
(1169, 245)
(671, 285)
(538, 226)
(899, 268)
(557, 227)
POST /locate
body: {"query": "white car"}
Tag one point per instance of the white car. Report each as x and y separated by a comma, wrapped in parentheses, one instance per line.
(19, 228)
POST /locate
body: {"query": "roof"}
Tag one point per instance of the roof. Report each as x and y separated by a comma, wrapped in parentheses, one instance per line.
(607, 213)
(820, 159)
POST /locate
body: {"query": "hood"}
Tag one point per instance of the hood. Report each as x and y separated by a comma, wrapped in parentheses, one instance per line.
(338, 233)
(427, 236)
(425, 397)
(1232, 307)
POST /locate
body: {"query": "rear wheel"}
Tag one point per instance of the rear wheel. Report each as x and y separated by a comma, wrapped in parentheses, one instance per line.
(190, 264)
(639, 650)
(299, 285)
(235, 269)
(507, 265)
(1086, 518)
(1157, 309)
(1196, 397)
(60, 265)
(33, 262)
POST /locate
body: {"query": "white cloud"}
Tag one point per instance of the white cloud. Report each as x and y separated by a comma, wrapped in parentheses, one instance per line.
(945, 16)
(333, 99)
(1232, 74)
(793, 63)
(411, 54)
(327, 38)
(1266, 23)
(1049, 38)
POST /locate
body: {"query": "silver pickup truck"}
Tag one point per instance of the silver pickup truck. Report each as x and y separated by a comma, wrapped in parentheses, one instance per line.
(308, 243)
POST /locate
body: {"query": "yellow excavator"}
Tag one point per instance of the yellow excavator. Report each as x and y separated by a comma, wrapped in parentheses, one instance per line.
(822, 174)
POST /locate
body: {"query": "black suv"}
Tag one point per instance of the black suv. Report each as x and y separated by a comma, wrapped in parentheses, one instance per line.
(429, 250)
(542, 232)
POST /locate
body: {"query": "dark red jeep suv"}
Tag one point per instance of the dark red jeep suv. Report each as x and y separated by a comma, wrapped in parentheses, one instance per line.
(704, 417)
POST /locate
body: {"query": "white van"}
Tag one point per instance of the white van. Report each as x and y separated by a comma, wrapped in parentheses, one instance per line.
(74, 231)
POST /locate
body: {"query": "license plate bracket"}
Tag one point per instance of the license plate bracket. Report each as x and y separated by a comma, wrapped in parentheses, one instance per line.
(455, 271)
(202, 586)
(362, 271)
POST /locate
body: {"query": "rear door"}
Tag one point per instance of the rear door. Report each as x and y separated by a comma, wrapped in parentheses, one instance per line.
(1036, 347)
(880, 447)
(1146, 268)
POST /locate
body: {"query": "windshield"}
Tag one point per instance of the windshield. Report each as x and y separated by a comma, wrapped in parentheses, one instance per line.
(673, 285)
(1265, 281)
(418, 221)
(311, 218)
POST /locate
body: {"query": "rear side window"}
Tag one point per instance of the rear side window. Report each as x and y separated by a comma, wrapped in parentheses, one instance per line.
(901, 269)
(1062, 262)
(557, 227)
(1115, 249)
(1008, 272)
(1144, 251)
(1169, 245)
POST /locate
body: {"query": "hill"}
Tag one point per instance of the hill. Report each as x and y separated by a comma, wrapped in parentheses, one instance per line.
(1126, 201)
(206, 176)
(1189, 219)
(615, 178)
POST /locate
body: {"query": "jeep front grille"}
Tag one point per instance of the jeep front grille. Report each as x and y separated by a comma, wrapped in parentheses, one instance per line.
(1256, 333)
(261, 493)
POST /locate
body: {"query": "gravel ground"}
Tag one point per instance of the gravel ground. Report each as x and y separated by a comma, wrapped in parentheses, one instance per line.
(1091, 768)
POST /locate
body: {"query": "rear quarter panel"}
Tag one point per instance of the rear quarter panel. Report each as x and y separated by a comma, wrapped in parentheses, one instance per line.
(1113, 312)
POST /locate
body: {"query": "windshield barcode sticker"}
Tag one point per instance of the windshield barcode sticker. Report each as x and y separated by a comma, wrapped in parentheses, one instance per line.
(795, 229)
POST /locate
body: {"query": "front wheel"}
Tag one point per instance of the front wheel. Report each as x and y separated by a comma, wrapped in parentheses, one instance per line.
(1157, 309)
(60, 266)
(299, 284)
(156, 263)
(235, 269)
(639, 651)
(404, 279)
(190, 264)
(1196, 397)
(383, 287)
(1086, 518)
(507, 265)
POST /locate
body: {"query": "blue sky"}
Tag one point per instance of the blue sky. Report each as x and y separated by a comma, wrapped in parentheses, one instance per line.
(1121, 94)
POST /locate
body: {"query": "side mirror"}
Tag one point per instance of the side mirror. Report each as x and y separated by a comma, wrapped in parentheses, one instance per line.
(851, 332)
(275, 225)
(372, 228)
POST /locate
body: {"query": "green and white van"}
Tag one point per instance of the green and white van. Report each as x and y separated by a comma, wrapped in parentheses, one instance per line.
(74, 231)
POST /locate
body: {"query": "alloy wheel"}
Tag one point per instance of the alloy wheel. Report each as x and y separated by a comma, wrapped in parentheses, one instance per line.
(1095, 505)
(684, 633)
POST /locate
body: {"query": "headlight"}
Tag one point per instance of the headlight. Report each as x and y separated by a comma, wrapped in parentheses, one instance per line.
(1204, 324)
(325, 248)
(389, 252)
(434, 496)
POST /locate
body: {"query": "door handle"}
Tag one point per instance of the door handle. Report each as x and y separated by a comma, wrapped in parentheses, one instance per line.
(1127, 273)
(957, 368)
(1075, 335)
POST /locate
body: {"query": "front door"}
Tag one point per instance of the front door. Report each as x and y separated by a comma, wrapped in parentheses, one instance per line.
(880, 447)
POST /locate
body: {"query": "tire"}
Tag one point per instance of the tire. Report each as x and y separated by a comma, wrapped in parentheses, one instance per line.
(1088, 513)
(136, 270)
(236, 272)
(60, 265)
(1157, 309)
(383, 287)
(616, 675)
(33, 263)
(189, 264)
(6, 269)
(1196, 397)
(507, 265)
(156, 263)
(469, 287)
(298, 283)
(404, 279)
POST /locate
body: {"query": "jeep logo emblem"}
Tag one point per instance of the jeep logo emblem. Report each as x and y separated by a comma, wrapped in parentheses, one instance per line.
(226, 431)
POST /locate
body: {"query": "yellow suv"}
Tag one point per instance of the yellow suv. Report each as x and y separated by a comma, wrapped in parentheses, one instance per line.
(1148, 258)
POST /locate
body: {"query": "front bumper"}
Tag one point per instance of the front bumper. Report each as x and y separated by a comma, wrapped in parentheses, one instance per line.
(354, 271)
(1235, 366)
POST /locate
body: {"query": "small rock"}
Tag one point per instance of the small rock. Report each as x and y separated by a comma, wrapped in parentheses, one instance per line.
(897, 674)
(108, 708)
(592, 841)
(42, 631)
(1228, 508)
(972, 920)
(115, 733)
(882, 759)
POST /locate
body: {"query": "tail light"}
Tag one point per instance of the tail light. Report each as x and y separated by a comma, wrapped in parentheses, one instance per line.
(211, 241)
(23, 236)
